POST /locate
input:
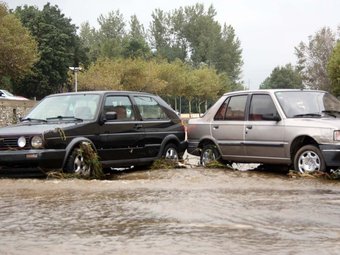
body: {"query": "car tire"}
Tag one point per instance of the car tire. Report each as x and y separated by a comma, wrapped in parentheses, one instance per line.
(309, 159)
(210, 154)
(76, 164)
(170, 152)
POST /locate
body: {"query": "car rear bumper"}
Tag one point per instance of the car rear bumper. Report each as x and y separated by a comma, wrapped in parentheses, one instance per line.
(331, 154)
(45, 159)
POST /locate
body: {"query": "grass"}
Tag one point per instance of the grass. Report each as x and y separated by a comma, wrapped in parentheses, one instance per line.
(165, 164)
(331, 175)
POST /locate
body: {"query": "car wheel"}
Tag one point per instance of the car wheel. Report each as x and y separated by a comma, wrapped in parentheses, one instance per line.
(76, 164)
(309, 159)
(170, 152)
(210, 154)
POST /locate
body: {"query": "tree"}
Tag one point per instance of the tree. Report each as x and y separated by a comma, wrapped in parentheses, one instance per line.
(104, 74)
(111, 35)
(193, 35)
(333, 69)
(58, 47)
(135, 45)
(208, 85)
(285, 77)
(18, 49)
(122, 74)
(165, 37)
(313, 58)
(89, 39)
(228, 56)
(203, 34)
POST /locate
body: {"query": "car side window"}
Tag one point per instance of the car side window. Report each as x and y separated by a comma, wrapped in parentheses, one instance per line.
(260, 107)
(149, 108)
(220, 114)
(121, 105)
(232, 109)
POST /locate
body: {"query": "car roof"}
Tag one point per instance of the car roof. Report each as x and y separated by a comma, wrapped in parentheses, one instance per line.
(272, 91)
(103, 92)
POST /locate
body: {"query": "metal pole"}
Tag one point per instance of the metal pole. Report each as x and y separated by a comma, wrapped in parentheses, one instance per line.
(75, 81)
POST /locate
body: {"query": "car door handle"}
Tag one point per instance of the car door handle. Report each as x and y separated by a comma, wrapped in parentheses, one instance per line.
(249, 127)
(215, 127)
(138, 126)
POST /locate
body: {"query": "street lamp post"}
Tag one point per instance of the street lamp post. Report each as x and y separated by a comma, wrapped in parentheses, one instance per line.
(75, 70)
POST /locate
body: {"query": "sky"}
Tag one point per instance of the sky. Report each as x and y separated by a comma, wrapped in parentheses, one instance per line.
(268, 29)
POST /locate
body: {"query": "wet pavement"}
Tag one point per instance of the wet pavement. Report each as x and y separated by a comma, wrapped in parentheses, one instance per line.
(177, 211)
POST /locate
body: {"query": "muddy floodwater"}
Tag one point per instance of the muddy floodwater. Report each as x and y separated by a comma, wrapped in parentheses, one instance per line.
(179, 211)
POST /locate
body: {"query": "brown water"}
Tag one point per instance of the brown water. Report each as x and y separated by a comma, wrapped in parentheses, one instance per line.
(181, 211)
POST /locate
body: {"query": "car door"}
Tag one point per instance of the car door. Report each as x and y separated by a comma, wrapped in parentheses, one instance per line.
(264, 130)
(156, 123)
(227, 127)
(121, 138)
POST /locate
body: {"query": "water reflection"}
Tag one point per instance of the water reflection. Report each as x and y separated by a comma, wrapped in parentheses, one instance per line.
(192, 211)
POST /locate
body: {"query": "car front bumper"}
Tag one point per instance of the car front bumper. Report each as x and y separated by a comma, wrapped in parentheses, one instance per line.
(331, 154)
(45, 159)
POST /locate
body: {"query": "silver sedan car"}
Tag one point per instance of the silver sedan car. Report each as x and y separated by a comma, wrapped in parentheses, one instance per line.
(298, 128)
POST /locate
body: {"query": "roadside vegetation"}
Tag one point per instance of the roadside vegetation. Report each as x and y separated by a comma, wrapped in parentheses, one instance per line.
(185, 55)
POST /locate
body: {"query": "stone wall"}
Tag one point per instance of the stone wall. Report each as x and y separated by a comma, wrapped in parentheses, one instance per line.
(12, 110)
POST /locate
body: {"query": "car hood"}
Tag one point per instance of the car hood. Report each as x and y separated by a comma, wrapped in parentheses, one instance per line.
(30, 129)
(315, 122)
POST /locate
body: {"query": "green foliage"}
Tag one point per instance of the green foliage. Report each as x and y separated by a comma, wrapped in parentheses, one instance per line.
(333, 174)
(155, 76)
(18, 49)
(58, 47)
(229, 55)
(92, 160)
(333, 69)
(135, 45)
(164, 164)
(313, 58)
(192, 56)
(216, 164)
(285, 77)
(192, 34)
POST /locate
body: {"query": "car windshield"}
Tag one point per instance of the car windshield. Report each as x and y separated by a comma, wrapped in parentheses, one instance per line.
(8, 94)
(296, 104)
(65, 107)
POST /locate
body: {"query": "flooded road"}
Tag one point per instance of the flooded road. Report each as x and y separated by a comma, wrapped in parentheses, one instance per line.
(179, 211)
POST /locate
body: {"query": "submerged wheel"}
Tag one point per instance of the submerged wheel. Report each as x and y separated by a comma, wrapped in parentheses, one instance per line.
(76, 164)
(210, 154)
(309, 159)
(171, 152)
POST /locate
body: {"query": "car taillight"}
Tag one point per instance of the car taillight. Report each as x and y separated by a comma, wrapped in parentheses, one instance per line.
(336, 135)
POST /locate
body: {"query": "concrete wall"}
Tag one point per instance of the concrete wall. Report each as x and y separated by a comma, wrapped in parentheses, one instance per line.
(12, 110)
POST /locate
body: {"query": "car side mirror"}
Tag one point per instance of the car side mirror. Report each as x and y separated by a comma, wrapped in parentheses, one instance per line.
(271, 116)
(110, 116)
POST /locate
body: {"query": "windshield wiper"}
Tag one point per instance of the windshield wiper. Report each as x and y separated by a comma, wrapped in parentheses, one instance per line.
(33, 119)
(331, 113)
(64, 117)
(308, 115)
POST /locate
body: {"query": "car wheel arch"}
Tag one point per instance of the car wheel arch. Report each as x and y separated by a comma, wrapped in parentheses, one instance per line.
(207, 141)
(299, 142)
(168, 139)
(74, 144)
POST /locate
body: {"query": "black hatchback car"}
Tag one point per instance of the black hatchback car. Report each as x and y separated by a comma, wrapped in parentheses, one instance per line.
(124, 128)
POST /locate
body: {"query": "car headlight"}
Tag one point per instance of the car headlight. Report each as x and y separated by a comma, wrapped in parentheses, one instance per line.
(37, 142)
(336, 136)
(22, 142)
